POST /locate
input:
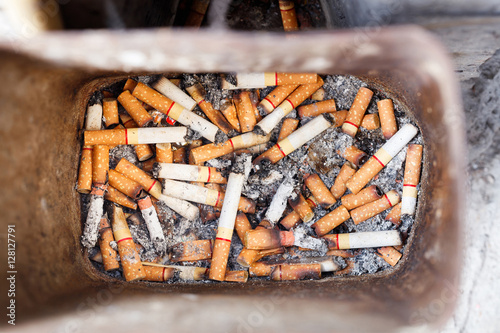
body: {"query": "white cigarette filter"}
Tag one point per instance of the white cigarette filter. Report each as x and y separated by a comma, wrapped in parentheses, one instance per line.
(93, 120)
(360, 240)
(188, 172)
(226, 226)
(91, 230)
(181, 207)
(262, 80)
(167, 88)
(411, 179)
(150, 216)
(383, 156)
(193, 193)
(279, 201)
(134, 136)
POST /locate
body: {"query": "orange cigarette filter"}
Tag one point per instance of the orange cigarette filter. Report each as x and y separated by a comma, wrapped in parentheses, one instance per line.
(340, 117)
(195, 144)
(192, 250)
(158, 274)
(389, 254)
(179, 155)
(244, 109)
(371, 209)
(130, 260)
(148, 183)
(266, 239)
(290, 220)
(143, 151)
(319, 191)
(275, 97)
(248, 257)
(242, 225)
(354, 155)
(229, 111)
(387, 118)
(219, 259)
(164, 153)
(357, 111)
(319, 95)
(84, 184)
(288, 15)
(315, 109)
(301, 207)
(135, 109)
(148, 165)
(247, 205)
(331, 220)
(109, 255)
(395, 214)
(290, 272)
(370, 122)
(125, 185)
(260, 269)
(100, 164)
(366, 195)
(289, 125)
(113, 195)
(130, 85)
(110, 112)
(339, 186)
(236, 276)
(255, 98)
(197, 13)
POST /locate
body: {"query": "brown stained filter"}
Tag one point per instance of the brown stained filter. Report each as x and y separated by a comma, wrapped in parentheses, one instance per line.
(371, 209)
(331, 220)
(130, 85)
(84, 184)
(229, 111)
(247, 205)
(147, 182)
(242, 225)
(158, 274)
(105, 137)
(340, 253)
(244, 110)
(275, 97)
(262, 239)
(113, 195)
(179, 155)
(357, 111)
(192, 250)
(164, 153)
(108, 254)
(370, 122)
(110, 112)
(339, 186)
(125, 185)
(289, 125)
(354, 155)
(100, 164)
(261, 269)
(315, 109)
(301, 207)
(288, 15)
(387, 118)
(236, 276)
(290, 272)
(197, 13)
(394, 215)
(107, 94)
(320, 192)
(339, 116)
(319, 95)
(219, 259)
(290, 220)
(265, 253)
(148, 165)
(389, 254)
(247, 257)
(273, 155)
(211, 150)
(255, 98)
(135, 109)
(366, 195)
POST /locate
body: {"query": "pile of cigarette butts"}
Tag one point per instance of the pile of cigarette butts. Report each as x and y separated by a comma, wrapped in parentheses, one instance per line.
(173, 139)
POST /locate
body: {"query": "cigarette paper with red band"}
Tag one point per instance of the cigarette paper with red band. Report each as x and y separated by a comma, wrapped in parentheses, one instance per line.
(262, 80)
(167, 88)
(371, 209)
(357, 111)
(359, 240)
(133, 136)
(411, 179)
(190, 173)
(148, 183)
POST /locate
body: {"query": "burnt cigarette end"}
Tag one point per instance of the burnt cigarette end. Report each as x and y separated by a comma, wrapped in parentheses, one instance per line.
(231, 78)
(329, 118)
(362, 160)
(262, 112)
(379, 191)
(155, 171)
(220, 137)
(240, 164)
(96, 98)
(257, 130)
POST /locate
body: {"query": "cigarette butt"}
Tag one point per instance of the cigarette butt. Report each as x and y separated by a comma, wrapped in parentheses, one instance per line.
(229, 111)
(339, 116)
(290, 220)
(197, 13)
(290, 272)
(387, 118)
(319, 190)
(236, 276)
(97, 257)
(371, 209)
(241, 225)
(255, 98)
(160, 119)
(347, 270)
(288, 15)
(247, 205)
(260, 269)
(179, 155)
(315, 109)
(171, 90)
(147, 165)
(100, 164)
(109, 256)
(339, 186)
(113, 195)
(389, 254)
(366, 195)
(340, 253)
(331, 220)
(134, 109)
(192, 250)
(262, 239)
(288, 127)
(247, 257)
(190, 173)
(411, 178)
(395, 214)
(143, 152)
(84, 184)
(360, 240)
(262, 80)
(354, 155)
(150, 216)
(275, 97)
(149, 184)
(383, 156)
(110, 112)
(133, 136)
(130, 85)
(319, 95)
(164, 153)
(301, 207)
(370, 121)
(357, 111)
(158, 274)
(124, 184)
(93, 119)
(244, 110)
(182, 207)
(130, 260)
